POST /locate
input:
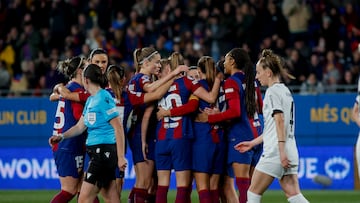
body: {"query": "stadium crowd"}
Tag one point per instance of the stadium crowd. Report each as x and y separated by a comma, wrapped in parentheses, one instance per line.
(316, 37)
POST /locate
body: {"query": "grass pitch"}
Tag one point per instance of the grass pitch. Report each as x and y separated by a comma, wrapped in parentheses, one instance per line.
(271, 196)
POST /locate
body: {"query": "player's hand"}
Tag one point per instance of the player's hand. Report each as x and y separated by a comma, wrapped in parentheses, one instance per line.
(285, 163)
(180, 69)
(122, 163)
(243, 146)
(161, 113)
(56, 88)
(54, 140)
(210, 111)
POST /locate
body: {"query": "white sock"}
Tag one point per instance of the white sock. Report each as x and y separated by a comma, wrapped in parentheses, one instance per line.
(253, 198)
(299, 198)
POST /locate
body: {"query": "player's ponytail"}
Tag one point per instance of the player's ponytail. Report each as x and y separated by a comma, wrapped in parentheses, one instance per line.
(243, 62)
(207, 67)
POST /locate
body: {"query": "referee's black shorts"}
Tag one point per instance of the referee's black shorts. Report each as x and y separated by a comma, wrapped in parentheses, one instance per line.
(102, 165)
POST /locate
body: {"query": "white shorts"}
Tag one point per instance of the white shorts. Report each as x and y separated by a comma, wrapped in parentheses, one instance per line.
(275, 169)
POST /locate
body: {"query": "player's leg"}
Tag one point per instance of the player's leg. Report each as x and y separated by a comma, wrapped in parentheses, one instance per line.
(110, 194)
(290, 185)
(183, 180)
(203, 186)
(259, 183)
(229, 190)
(88, 192)
(163, 185)
(214, 187)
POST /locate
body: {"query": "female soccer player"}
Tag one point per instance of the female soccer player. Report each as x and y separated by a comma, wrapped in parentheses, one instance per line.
(174, 137)
(147, 63)
(69, 155)
(100, 117)
(240, 104)
(208, 145)
(280, 157)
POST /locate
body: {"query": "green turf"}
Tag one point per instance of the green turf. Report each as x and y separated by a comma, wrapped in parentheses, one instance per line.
(271, 196)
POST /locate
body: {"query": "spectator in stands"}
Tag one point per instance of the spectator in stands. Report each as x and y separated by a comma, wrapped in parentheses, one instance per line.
(4, 79)
(298, 15)
(311, 86)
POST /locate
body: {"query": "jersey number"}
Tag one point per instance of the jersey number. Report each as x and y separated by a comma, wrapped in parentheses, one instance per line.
(60, 118)
(169, 102)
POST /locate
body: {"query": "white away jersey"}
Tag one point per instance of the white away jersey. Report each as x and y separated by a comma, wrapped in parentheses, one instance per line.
(278, 98)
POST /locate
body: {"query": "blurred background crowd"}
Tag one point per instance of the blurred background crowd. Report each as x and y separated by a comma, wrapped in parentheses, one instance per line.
(317, 38)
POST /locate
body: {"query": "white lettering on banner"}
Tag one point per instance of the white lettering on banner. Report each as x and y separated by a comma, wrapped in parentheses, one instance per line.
(307, 167)
(25, 169)
(35, 169)
(341, 173)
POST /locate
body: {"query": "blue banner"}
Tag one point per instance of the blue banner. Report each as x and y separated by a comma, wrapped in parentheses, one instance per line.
(34, 168)
(320, 120)
(26, 117)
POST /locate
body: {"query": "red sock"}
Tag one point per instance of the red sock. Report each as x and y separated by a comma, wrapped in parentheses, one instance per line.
(181, 195)
(131, 195)
(204, 196)
(243, 185)
(62, 197)
(140, 195)
(96, 200)
(161, 194)
(215, 196)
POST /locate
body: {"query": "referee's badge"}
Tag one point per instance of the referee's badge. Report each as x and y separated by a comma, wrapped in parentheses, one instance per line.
(91, 118)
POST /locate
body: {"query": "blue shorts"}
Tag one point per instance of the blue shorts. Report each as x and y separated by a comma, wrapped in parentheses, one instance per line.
(69, 163)
(173, 154)
(236, 156)
(136, 148)
(208, 157)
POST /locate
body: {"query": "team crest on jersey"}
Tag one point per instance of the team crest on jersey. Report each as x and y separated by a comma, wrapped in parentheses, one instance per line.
(91, 117)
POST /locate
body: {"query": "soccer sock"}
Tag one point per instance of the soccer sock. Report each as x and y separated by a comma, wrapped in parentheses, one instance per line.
(215, 196)
(181, 195)
(140, 195)
(205, 196)
(243, 185)
(62, 197)
(161, 194)
(299, 198)
(131, 195)
(253, 198)
(96, 200)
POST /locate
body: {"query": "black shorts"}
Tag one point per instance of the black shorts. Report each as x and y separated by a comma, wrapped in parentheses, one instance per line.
(102, 164)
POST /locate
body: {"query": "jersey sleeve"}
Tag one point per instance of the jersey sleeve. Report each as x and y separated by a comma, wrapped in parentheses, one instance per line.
(145, 79)
(135, 98)
(187, 108)
(109, 107)
(275, 102)
(232, 97)
(83, 96)
(191, 84)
